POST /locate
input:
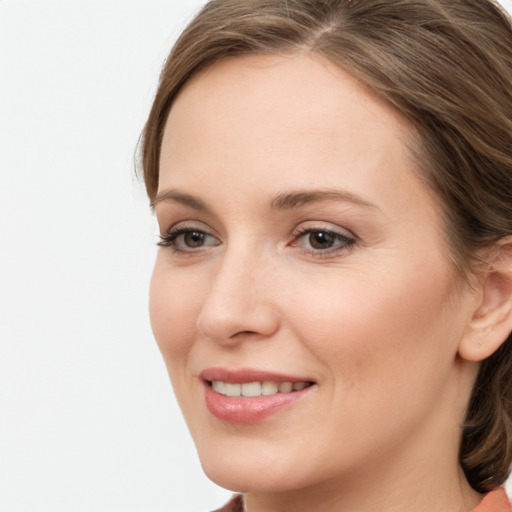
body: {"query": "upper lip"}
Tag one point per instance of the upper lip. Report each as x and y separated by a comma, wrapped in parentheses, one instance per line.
(244, 375)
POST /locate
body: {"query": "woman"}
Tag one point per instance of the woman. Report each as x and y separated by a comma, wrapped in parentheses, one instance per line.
(333, 290)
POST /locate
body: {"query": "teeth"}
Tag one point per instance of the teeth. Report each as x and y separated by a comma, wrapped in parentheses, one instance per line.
(269, 388)
(219, 386)
(285, 387)
(250, 389)
(233, 389)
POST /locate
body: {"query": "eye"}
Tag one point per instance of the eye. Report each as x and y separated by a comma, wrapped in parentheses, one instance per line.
(185, 239)
(321, 240)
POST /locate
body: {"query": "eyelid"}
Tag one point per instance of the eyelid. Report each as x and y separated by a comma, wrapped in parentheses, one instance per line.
(309, 226)
(188, 224)
(345, 238)
(168, 237)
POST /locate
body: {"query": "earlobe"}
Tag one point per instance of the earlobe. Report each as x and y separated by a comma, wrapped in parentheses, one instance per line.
(491, 323)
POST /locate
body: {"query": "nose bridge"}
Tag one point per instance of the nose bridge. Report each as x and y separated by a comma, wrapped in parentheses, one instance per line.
(239, 300)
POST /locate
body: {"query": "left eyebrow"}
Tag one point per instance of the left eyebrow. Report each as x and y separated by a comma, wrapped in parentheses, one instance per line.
(290, 200)
(179, 197)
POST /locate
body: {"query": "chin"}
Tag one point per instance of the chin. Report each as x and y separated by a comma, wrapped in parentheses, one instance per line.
(244, 480)
(241, 470)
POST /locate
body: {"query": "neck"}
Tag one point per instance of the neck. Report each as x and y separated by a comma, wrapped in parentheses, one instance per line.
(398, 487)
(371, 496)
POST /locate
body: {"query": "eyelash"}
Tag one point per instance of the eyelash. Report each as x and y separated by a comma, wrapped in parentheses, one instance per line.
(345, 241)
(170, 240)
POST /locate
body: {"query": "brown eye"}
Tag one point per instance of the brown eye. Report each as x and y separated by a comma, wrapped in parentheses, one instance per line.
(193, 239)
(321, 240)
(185, 239)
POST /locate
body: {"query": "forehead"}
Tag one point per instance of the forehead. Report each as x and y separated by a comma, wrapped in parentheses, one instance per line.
(309, 89)
(285, 120)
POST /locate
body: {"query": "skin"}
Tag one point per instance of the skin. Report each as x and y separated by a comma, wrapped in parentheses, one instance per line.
(377, 323)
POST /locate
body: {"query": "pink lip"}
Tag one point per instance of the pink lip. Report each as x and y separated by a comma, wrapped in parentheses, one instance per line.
(244, 375)
(244, 410)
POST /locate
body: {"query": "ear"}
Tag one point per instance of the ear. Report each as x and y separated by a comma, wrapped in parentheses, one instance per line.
(491, 323)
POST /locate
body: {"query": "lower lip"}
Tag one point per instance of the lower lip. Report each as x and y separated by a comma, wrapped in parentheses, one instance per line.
(248, 410)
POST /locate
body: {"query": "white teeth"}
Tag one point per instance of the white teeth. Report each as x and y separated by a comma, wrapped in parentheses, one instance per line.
(269, 388)
(233, 389)
(219, 386)
(285, 387)
(251, 389)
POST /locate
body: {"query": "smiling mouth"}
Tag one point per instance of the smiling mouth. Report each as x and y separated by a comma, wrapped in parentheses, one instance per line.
(248, 396)
(255, 389)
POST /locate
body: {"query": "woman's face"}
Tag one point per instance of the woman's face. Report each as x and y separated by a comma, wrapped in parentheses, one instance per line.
(300, 250)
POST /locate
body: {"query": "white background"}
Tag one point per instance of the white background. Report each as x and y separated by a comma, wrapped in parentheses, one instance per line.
(87, 417)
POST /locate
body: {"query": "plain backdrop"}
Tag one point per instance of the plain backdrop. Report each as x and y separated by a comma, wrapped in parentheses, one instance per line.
(88, 421)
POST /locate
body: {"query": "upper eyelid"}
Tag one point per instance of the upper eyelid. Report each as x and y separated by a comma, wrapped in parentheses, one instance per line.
(178, 230)
(321, 227)
(191, 224)
(337, 234)
(308, 226)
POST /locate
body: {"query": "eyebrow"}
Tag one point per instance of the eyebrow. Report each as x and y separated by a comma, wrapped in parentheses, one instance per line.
(283, 201)
(299, 198)
(179, 197)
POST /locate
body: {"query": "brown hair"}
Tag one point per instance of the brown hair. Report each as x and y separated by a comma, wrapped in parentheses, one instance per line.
(446, 65)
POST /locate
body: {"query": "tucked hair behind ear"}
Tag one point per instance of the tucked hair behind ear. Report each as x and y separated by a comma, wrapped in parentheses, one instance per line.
(446, 65)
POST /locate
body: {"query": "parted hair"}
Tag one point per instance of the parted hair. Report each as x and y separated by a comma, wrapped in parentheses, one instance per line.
(446, 65)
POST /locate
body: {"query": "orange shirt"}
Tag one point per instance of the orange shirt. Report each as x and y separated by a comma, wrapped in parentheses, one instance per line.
(495, 501)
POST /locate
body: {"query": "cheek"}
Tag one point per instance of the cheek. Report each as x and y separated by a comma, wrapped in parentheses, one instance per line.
(384, 352)
(174, 305)
(378, 330)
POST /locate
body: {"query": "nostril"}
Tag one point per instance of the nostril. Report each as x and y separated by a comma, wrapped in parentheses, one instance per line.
(241, 335)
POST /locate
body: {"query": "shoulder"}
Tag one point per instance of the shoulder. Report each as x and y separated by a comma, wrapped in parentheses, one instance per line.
(495, 501)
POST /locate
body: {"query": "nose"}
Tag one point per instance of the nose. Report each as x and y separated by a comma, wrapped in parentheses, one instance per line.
(241, 302)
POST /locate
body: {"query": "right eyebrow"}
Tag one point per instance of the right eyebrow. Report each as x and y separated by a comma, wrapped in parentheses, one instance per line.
(295, 199)
(176, 196)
